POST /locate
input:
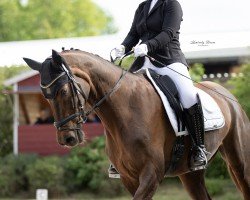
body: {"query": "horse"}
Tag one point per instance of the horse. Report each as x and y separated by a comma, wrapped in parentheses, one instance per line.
(139, 137)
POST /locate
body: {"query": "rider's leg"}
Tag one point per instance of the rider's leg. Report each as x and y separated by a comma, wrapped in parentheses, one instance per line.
(193, 115)
(180, 75)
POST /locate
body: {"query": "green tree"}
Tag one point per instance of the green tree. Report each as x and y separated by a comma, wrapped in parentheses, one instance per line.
(6, 114)
(241, 87)
(197, 71)
(47, 172)
(39, 19)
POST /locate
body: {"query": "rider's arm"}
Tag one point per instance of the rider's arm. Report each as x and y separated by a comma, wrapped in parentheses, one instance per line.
(171, 25)
(132, 38)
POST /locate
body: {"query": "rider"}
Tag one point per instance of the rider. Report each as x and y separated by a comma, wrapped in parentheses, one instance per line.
(156, 25)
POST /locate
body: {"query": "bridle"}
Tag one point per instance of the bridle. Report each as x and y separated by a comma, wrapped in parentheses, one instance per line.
(77, 91)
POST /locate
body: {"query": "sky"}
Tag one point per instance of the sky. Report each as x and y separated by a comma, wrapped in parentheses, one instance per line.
(200, 16)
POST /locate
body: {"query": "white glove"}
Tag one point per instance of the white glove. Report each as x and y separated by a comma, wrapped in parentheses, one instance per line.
(119, 51)
(141, 50)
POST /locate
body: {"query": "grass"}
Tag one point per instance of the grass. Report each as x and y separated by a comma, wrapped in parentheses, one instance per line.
(173, 190)
(170, 189)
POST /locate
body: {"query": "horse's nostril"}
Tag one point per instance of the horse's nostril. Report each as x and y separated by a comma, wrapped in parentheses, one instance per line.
(71, 141)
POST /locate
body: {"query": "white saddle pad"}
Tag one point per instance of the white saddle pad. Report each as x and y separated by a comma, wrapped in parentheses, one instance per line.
(213, 118)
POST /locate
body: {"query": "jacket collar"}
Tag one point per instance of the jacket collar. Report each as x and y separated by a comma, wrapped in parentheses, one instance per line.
(159, 2)
(146, 8)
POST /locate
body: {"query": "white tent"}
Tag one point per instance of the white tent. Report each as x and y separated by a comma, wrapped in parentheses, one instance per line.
(200, 46)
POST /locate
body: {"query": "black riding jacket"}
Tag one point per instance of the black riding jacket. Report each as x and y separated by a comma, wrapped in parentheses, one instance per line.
(159, 30)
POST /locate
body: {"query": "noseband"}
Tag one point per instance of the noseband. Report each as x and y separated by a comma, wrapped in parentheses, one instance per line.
(77, 90)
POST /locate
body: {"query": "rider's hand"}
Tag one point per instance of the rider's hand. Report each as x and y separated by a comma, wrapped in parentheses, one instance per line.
(119, 51)
(141, 50)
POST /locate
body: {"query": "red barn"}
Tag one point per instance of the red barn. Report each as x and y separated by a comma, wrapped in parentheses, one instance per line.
(29, 136)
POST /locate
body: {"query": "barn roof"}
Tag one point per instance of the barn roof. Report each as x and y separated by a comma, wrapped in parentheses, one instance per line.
(21, 77)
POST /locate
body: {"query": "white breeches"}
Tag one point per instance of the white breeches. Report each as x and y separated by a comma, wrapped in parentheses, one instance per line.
(186, 89)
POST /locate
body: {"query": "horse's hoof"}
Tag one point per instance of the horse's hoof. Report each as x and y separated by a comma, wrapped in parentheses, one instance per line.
(114, 176)
(198, 168)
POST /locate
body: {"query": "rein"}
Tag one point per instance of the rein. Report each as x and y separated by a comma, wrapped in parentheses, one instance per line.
(124, 72)
(106, 95)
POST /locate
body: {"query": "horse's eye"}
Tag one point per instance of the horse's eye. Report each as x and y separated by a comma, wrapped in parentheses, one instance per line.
(64, 92)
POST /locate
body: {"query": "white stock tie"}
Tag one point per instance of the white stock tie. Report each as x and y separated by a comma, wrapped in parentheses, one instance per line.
(153, 2)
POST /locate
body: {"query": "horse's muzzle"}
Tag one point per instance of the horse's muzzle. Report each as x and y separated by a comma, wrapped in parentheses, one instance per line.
(71, 141)
(70, 138)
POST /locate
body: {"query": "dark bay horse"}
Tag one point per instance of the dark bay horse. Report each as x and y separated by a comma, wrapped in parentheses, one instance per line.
(139, 137)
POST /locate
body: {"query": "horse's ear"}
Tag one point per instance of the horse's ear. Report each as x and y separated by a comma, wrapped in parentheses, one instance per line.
(33, 64)
(57, 58)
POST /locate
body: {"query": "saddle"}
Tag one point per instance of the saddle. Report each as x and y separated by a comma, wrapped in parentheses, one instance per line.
(168, 87)
(169, 95)
(213, 117)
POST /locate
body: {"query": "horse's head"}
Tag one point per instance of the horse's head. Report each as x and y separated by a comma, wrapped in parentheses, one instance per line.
(65, 96)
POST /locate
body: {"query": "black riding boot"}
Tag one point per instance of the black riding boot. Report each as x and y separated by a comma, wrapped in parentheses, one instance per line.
(194, 121)
(113, 173)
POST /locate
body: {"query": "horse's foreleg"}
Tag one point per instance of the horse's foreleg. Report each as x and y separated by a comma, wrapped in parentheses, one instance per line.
(148, 183)
(194, 183)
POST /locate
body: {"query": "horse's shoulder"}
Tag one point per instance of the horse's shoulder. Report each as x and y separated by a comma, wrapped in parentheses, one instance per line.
(145, 83)
(141, 80)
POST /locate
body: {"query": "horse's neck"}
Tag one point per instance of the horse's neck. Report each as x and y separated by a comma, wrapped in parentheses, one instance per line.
(103, 77)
